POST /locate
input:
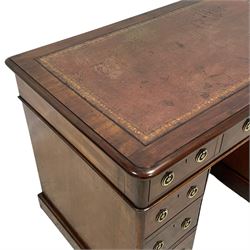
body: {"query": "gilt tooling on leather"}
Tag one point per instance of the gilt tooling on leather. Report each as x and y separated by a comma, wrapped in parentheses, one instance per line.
(154, 76)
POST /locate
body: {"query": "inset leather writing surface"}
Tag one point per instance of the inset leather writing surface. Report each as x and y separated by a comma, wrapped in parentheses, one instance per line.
(153, 76)
(152, 89)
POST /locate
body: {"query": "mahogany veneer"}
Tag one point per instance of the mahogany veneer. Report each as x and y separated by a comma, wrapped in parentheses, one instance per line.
(127, 121)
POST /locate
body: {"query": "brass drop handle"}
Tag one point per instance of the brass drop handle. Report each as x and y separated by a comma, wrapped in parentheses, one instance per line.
(162, 215)
(192, 192)
(167, 179)
(201, 155)
(246, 125)
(186, 223)
(159, 245)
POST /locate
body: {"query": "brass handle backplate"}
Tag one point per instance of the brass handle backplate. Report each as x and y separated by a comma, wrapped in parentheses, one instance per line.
(167, 179)
(159, 245)
(162, 215)
(186, 223)
(246, 126)
(192, 192)
(201, 155)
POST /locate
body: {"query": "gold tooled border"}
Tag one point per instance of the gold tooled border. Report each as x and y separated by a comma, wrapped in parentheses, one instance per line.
(94, 100)
(145, 138)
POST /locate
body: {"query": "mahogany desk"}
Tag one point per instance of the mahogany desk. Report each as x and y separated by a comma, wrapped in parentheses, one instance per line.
(126, 121)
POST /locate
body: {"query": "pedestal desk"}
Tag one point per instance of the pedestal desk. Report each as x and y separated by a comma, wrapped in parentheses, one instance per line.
(127, 121)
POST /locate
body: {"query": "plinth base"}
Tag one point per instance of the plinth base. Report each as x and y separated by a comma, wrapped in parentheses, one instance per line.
(61, 223)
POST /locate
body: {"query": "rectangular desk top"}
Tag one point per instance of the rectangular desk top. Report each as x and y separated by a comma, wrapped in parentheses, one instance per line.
(150, 89)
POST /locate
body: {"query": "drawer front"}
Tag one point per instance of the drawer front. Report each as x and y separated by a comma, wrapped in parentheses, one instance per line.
(186, 243)
(236, 134)
(183, 169)
(170, 205)
(176, 228)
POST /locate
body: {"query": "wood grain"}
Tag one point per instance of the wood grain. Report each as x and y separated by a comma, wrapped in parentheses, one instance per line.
(137, 190)
(62, 225)
(175, 201)
(173, 231)
(121, 145)
(186, 243)
(91, 206)
(239, 160)
(233, 171)
(113, 111)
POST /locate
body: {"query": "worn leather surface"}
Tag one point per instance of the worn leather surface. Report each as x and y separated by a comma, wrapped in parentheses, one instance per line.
(156, 75)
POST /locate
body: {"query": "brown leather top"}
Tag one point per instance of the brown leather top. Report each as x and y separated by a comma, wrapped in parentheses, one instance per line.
(151, 89)
(156, 75)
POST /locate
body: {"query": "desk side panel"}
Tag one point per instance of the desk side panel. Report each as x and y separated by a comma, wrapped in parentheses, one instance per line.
(135, 189)
(91, 206)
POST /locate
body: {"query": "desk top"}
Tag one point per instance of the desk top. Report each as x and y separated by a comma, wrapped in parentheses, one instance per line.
(150, 89)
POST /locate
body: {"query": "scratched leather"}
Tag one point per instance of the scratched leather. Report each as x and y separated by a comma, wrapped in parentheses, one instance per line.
(156, 75)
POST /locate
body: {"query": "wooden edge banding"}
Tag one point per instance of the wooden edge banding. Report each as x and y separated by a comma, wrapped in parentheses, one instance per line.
(59, 221)
(137, 163)
(141, 206)
(121, 178)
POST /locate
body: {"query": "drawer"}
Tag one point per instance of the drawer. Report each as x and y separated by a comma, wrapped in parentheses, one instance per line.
(185, 243)
(174, 202)
(183, 169)
(236, 134)
(176, 228)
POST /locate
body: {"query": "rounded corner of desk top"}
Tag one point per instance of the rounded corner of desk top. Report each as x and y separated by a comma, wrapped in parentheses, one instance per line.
(151, 75)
